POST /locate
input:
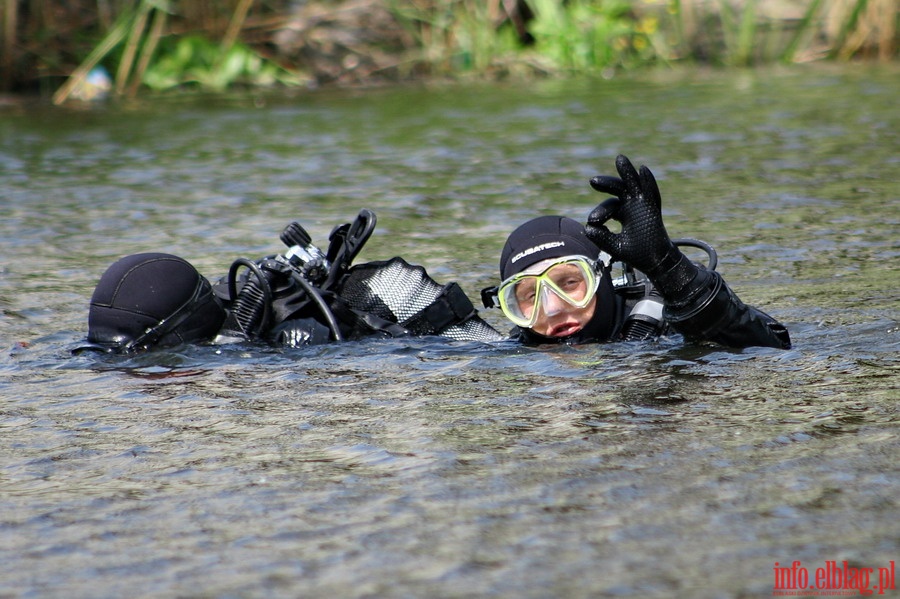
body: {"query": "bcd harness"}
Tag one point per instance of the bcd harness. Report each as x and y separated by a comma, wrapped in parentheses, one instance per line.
(305, 287)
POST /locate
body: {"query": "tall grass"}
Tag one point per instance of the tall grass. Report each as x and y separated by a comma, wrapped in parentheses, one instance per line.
(214, 44)
(479, 35)
(591, 35)
(584, 35)
(455, 36)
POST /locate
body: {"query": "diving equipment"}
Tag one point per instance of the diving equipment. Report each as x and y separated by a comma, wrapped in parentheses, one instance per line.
(646, 319)
(290, 281)
(570, 279)
(292, 298)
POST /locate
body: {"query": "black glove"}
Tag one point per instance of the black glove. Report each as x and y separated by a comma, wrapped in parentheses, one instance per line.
(643, 241)
(698, 302)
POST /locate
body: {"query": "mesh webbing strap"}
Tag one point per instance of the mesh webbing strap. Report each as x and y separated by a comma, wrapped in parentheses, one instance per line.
(451, 307)
(397, 291)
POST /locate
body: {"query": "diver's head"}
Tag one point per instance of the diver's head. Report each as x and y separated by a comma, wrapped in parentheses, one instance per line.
(553, 284)
(151, 300)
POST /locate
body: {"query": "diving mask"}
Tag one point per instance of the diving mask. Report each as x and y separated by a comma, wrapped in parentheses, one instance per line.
(572, 279)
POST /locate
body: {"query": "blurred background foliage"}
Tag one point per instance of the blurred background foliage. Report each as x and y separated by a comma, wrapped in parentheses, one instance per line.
(84, 49)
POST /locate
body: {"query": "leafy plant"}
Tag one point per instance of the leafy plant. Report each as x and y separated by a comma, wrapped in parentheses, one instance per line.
(194, 60)
(586, 35)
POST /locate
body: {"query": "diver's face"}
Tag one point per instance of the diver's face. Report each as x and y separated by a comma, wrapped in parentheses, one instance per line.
(554, 298)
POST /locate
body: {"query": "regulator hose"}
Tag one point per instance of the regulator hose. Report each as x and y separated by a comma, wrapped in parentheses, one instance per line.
(323, 307)
(249, 316)
(701, 245)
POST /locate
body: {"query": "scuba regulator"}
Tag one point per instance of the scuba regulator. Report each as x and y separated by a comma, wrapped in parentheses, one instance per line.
(278, 287)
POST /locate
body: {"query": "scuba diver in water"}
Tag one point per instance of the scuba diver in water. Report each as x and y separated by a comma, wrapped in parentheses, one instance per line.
(303, 296)
(557, 282)
(557, 286)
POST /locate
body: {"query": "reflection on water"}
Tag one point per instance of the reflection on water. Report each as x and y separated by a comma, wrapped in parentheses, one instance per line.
(434, 469)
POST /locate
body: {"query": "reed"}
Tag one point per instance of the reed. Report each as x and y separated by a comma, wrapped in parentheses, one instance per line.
(218, 43)
(116, 34)
(578, 36)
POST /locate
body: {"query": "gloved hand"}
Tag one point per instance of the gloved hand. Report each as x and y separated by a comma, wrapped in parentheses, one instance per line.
(643, 241)
(698, 303)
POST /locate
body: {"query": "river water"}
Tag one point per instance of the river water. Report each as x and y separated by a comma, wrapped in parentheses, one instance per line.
(422, 468)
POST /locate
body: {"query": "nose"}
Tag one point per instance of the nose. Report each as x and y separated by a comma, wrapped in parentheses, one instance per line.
(552, 303)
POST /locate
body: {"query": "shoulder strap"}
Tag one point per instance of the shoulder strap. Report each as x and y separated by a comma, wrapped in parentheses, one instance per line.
(358, 324)
(451, 307)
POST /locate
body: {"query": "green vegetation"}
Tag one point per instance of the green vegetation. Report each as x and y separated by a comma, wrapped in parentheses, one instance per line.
(196, 60)
(67, 48)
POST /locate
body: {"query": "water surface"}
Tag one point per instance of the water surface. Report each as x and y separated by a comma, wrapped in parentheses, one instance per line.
(422, 468)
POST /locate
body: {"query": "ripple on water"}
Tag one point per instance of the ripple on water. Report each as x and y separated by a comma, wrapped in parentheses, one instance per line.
(422, 468)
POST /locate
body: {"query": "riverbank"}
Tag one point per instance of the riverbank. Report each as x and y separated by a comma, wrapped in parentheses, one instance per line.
(75, 49)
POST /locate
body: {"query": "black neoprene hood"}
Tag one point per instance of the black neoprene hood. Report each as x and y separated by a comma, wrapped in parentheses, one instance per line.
(141, 291)
(541, 238)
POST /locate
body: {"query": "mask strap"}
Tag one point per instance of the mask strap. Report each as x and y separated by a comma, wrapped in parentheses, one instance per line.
(152, 335)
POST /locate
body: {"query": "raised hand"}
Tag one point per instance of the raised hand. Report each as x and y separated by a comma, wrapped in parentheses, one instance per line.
(698, 303)
(643, 241)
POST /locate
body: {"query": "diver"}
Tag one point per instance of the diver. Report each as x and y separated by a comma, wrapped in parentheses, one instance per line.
(557, 283)
(303, 296)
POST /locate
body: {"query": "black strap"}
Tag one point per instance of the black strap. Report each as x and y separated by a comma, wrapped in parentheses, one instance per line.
(361, 324)
(451, 307)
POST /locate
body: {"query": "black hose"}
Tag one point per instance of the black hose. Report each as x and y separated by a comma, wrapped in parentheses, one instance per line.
(263, 284)
(323, 307)
(701, 245)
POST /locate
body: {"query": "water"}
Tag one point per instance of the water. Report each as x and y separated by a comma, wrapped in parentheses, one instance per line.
(418, 468)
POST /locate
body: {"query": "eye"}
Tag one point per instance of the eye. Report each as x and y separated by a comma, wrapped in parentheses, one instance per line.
(570, 283)
(567, 277)
(525, 291)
